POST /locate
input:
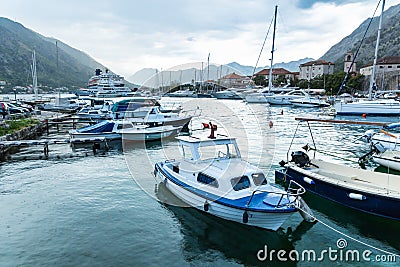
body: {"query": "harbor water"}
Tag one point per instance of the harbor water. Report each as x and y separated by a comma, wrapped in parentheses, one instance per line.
(81, 209)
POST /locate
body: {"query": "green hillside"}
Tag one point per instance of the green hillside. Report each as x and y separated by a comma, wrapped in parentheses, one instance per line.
(71, 68)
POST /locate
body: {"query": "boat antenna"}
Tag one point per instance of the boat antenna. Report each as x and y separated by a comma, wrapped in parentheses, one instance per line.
(272, 51)
(372, 81)
(356, 54)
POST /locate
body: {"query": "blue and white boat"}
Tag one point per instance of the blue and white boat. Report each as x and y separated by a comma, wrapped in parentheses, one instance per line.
(364, 190)
(213, 178)
(126, 130)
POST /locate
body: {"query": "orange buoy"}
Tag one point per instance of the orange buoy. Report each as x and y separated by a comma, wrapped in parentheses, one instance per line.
(364, 115)
(271, 124)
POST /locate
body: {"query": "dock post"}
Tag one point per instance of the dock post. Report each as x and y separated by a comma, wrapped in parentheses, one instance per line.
(46, 150)
(47, 126)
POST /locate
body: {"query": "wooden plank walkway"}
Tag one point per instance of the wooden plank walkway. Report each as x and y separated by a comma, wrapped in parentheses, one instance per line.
(21, 143)
(46, 142)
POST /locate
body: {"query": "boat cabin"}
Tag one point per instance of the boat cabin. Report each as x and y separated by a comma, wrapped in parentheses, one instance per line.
(216, 164)
(197, 149)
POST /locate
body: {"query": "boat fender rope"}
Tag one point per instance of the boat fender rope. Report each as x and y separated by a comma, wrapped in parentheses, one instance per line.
(348, 236)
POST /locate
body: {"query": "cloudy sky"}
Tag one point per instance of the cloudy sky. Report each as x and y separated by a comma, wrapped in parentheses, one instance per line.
(128, 35)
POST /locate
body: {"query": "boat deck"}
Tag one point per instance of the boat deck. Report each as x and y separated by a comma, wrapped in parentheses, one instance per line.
(358, 179)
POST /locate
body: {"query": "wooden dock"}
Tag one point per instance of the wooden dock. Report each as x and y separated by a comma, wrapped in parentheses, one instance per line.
(4, 145)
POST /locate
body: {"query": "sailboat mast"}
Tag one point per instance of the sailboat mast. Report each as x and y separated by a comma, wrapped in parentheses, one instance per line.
(372, 81)
(272, 51)
(34, 75)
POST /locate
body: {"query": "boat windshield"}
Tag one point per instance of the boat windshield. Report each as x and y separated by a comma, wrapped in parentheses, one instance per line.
(240, 183)
(259, 178)
(125, 126)
(218, 151)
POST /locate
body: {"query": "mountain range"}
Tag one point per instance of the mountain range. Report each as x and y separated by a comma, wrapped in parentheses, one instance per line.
(59, 64)
(150, 77)
(389, 44)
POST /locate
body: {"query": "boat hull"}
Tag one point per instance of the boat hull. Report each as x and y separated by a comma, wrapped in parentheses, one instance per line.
(388, 159)
(279, 101)
(387, 141)
(227, 95)
(305, 104)
(149, 135)
(372, 108)
(373, 203)
(108, 136)
(256, 98)
(266, 220)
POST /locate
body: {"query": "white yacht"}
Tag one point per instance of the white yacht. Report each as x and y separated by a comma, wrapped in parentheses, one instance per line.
(285, 98)
(105, 84)
(309, 102)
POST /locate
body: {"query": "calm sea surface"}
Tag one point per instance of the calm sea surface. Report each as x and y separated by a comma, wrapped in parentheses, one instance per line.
(101, 210)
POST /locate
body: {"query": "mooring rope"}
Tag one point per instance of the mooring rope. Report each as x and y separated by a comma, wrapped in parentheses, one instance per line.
(348, 236)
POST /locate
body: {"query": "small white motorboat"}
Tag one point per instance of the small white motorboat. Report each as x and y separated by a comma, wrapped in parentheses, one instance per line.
(91, 113)
(285, 98)
(126, 130)
(389, 158)
(386, 139)
(213, 178)
(385, 149)
(231, 93)
(155, 117)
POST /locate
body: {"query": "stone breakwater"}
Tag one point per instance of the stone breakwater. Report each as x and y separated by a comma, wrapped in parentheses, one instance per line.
(26, 133)
(29, 132)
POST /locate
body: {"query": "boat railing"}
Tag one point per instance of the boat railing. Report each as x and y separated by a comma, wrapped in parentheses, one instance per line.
(294, 190)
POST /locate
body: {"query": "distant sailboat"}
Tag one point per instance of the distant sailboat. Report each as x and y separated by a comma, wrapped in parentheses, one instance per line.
(378, 107)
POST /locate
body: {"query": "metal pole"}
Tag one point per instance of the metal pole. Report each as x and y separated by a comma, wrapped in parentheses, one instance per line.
(372, 81)
(272, 51)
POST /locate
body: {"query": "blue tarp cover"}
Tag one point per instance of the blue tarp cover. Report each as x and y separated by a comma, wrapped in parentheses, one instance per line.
(101, 127)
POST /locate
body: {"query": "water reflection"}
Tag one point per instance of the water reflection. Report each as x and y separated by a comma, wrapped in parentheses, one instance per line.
(205, 236)
(365, 224)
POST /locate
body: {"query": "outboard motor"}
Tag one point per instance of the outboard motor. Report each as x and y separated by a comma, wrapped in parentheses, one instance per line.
(368, 135)
(300, 158)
